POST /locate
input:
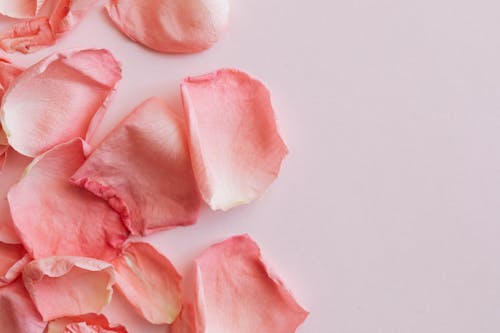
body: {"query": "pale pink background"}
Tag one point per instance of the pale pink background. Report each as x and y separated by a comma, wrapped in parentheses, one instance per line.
(385, 218)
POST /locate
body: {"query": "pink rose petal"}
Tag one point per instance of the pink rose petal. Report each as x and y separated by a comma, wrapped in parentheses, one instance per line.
(63, 96)
(28, 36)
(235, 145)
(89, 323)
(150, 282)
(68, 286)
(143, 170)
(20, 8)
(17, 312)
(54, 217)
(8, 73)
(68, 13)
(13, 258)
(235, 292)
(171, 26)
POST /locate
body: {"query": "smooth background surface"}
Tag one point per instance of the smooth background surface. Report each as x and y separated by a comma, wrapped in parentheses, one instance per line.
(385, 218)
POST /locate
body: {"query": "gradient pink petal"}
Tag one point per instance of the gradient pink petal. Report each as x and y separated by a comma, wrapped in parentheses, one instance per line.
(17, 312)
(63, 96)
(143, 170)
(150, 282)
(28, 36)
(13, 258)
(8, 73)
(20, 8)
(88, 323)
(235, 292)
(235, 145)
(171, 26)
(54, 217)
(68, 286)
(68, 13)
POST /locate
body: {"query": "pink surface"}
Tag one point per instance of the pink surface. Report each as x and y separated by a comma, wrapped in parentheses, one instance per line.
(386, 215)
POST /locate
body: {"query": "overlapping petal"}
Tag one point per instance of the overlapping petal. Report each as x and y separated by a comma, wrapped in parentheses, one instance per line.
(20, 8)
(235, 145)
(68, 286)
(171, 26)
(13, 258)
(89, 323)
(63, 96)
(143, 170)
(150, 282)
(235, 292)
(54, 217)
(17, 312)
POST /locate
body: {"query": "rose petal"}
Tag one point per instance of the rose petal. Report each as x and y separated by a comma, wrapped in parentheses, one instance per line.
(13, 258)
(54, 217)
(235, 292)
(68, 13)
(8, 73)
(89, 323)
(143, 169)
(68, 286)
(62, 96)
(171, 26)
(28, 36)
(20, 8)
(17, 312)
(15, 164)
(235, 146)
(150, 282)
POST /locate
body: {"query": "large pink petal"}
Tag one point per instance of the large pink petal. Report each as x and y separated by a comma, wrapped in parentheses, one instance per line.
(13, 258)
(171, 26)
(150, 282)
(17, 312)
(68, 286)
(143, 169)
(20, 8)
(235, 145)
(28, 36)
(235, 292)
(63, 96)
(54, 217)
(89, 323)
(15, 164)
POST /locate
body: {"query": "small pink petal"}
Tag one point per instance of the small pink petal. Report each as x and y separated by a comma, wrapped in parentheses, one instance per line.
(143, 170)
(171, 26)
(15, 164)
(68, 286)
(88, 323)
(63, 96)
(28, 36)
(8, 73)
(13, 258)
(20, 8)
(54, 217)
(235, 292)
(17, 312)
(68, 13)
(235, 145)
(150, 282)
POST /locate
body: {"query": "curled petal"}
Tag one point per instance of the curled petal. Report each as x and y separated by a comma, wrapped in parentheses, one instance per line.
(235, 292)
(54, 217)
(28, 36)
(89, 323)
(13, 258)
(63, 96)
(15, 164)
(150, 282)
(143, 170)
(17, 312)
(171, 26)
(68, 286)
(8, 73)
(235, 145)
(20, 8)
(68, 13)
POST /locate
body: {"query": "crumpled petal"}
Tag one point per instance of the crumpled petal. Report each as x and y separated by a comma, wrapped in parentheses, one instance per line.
(8, 73)
(150, 282)
(235, 292)
(17, 312)
(20, 8)
(13, 258)
(88, 323)
(15, 164)
(68, 13)
(68, 286)
(235, 145)
(143, 170)
(171, 26)
(54, 217)
(62, 96)
(28, 36)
